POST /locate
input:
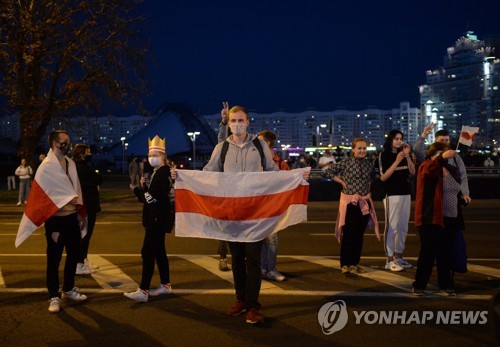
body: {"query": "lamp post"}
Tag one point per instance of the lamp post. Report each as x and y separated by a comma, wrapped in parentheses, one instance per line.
(123, 153)
(192, 135)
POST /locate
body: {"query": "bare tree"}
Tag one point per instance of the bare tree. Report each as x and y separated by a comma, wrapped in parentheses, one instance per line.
(64, 57)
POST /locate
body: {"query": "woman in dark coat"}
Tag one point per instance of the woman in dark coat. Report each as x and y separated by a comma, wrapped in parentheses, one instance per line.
(156, 221)
(89, 181)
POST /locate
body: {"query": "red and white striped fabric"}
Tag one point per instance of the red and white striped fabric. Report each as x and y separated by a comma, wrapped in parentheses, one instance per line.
(51, 190)
(238, 206)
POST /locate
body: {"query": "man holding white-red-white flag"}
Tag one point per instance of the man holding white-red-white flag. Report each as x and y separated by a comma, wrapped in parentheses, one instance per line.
(240, 203)
(443, 136)
(56, 199)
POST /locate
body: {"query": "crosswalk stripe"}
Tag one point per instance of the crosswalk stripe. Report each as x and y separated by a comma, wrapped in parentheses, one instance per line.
(322, 293)
(485, 270)
(110, 276)
(2, 281)
(391, 279)
(212, 265)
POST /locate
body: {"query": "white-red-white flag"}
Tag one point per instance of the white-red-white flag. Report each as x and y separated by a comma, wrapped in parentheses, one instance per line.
(51, 190)
(238, 206)
(467, 135)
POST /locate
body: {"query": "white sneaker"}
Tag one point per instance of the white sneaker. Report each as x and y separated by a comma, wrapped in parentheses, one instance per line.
(55, 305)
(275, 276)
(162, 289)
(403, 263)
(90, 265)
(83, 269)
(138, 295)
(74, 294)
(393, 266)
(19, 203)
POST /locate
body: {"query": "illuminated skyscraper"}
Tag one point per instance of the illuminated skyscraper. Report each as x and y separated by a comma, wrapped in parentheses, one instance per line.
(465, 90)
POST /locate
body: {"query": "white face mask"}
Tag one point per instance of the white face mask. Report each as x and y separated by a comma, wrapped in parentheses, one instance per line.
(238, 129)
(155, 161)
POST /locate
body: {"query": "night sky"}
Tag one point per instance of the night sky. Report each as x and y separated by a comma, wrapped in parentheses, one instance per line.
(295, 55)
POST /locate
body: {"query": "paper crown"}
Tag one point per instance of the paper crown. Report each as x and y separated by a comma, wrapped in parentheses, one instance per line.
(156, 144)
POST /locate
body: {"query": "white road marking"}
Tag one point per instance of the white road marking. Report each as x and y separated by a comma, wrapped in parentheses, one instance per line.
(381, 276)
(429, 295)
(2, 281)
(111, 276)
(488, 271)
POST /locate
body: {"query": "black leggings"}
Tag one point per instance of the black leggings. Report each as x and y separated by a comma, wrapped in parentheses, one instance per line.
(153, 250)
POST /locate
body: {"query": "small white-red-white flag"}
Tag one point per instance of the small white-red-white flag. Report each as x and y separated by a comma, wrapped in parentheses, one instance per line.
(51, 190)
(238, 206)
(467, 135)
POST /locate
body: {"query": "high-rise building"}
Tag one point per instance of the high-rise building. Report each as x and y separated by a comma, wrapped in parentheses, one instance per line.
(465, 90)
(337, 128)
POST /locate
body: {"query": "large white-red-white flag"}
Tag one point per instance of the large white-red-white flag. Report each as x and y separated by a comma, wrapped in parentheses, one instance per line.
(238, 206)
(51, 190)
(467, 135)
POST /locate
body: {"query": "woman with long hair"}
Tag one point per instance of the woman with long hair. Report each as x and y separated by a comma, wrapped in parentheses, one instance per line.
(396, 167)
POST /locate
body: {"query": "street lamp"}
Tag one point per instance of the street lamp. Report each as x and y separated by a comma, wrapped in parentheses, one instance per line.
(122, 139)
(192, 136)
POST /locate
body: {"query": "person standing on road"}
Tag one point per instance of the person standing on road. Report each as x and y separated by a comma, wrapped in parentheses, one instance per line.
(270, 244)
(443, 136)
(243, 155)
(24, 171)
(58, 178)
(356, 209)
(155, 219)
(89, 181)
(396, 167)
(134, 171)
(435, 201)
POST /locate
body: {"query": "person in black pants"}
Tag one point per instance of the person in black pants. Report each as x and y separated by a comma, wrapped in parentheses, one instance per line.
(63, 228)
(155, 219)
(89, 181)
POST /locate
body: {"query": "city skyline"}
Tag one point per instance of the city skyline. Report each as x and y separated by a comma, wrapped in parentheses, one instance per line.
(294, 56)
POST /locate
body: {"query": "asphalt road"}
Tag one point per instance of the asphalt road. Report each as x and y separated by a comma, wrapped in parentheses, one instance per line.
(195, 314)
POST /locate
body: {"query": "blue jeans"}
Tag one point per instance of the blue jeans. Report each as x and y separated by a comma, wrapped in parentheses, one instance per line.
(269, 253)
(24, 189)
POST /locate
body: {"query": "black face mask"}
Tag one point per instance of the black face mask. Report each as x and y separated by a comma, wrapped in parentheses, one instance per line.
(87, 158)
(65, 148)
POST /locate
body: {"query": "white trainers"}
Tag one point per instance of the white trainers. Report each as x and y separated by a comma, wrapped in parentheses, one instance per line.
(90, 265)
(138, 295)
(83, 269)
(403, 263)
(54, 305)
(275, 276)
(393, 266)
(74, 294)
(162, 289)
(19, 203)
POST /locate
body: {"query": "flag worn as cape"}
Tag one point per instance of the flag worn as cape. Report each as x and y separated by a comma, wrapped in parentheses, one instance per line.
(467, 135)
(51, 190)
(238, 206)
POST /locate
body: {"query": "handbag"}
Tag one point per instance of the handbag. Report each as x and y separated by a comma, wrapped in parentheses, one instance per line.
(459, 263)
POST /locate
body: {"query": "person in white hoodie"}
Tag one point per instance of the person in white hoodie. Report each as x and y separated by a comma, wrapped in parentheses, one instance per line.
(24, 172)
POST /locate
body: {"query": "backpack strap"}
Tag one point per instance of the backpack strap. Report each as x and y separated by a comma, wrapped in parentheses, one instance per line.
(258, 145)
(223, 152)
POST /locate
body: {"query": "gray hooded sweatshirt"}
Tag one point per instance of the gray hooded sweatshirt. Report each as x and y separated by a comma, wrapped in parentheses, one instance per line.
(244, 158)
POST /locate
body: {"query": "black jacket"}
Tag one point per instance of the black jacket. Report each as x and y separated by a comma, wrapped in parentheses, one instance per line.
(156, 210)
(89, 180)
